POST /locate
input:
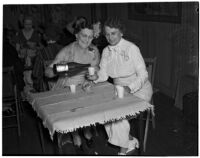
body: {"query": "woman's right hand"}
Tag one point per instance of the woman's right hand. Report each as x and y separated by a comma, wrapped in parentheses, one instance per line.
(49, 72)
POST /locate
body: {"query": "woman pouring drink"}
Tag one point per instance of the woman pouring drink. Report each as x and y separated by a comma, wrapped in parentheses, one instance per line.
(123, 62)
(81, 51)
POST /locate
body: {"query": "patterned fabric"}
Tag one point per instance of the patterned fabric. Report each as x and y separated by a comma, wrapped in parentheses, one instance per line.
(45, 54)
(63, 112)
(20, 38)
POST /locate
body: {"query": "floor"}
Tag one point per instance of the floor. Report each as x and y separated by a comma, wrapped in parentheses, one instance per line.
(173, 135)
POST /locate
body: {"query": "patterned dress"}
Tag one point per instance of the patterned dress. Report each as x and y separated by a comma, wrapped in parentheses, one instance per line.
(68, 54)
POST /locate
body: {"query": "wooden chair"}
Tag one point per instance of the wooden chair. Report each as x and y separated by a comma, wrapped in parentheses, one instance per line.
(11, 97)
(151, 69)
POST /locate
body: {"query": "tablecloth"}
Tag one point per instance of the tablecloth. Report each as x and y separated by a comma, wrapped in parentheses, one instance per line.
(63, 112)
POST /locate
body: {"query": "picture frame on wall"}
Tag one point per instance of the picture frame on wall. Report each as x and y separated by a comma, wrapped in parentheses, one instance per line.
(155, 12)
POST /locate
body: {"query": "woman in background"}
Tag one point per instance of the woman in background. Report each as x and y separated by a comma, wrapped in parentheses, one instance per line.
(27, 43)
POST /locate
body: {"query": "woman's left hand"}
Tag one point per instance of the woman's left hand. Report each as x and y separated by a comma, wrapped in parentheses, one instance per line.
(92, 77)
(87, 85)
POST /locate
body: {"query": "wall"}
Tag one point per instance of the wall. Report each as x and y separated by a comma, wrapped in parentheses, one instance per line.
(174, 45)
(158, 39)
(58, 14)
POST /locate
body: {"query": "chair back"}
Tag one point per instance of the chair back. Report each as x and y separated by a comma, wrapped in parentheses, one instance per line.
(9, 82)
(151, 68)
(11, 99)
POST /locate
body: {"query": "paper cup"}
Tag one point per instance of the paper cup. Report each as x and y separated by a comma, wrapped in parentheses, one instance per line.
(73, 88)
(119, 91)
(91, 70)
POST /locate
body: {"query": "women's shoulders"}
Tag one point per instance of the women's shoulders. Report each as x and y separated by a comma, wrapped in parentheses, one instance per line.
(128, 43)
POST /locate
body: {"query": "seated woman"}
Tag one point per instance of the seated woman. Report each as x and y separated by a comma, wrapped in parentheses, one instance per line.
(81, 51)
(122, 61)
(27, 42)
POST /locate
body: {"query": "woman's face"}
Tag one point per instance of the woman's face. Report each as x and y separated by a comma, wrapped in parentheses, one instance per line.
(113, 35)
(28, 24)
(85, 37)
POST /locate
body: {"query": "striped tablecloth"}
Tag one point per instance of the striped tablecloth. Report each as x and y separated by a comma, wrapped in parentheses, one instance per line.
(62, 111)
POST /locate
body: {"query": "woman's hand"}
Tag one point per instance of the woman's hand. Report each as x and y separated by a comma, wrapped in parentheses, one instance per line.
(49, 72)
(86, 86)
(92, 77)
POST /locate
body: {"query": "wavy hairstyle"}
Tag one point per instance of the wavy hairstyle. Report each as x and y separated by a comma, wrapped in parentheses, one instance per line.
(115, 23)
(82, 25)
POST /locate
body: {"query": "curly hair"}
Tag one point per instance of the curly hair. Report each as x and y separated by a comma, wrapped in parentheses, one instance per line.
(82, 25)
(115, 23)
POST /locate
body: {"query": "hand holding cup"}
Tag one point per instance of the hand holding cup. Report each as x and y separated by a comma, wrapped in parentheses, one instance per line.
(91, 75)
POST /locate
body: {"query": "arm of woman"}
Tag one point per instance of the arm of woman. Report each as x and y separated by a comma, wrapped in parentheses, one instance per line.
(63, 55)
(140, 68)
(102, 73)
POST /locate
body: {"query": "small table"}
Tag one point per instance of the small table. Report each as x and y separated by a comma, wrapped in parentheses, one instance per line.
(63, 112)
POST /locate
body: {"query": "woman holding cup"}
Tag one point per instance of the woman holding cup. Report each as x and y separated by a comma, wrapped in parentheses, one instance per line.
(123, 62)
(81, 51)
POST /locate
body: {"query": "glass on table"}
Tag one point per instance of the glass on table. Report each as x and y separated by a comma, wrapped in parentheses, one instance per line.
(73, 88)
(119, 91)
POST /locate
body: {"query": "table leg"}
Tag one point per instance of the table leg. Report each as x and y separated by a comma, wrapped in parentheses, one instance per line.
(58, 143)
(41, 135)
(146, 130)
(140, 132)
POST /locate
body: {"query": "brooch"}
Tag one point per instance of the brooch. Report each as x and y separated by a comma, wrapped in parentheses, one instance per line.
(124, 55)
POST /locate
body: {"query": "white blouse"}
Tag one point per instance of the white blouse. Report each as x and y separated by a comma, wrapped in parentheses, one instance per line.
(125, 64)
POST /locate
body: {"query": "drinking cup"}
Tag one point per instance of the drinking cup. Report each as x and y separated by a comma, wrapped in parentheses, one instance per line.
(120, 91)
(73, 88)
(91, 71)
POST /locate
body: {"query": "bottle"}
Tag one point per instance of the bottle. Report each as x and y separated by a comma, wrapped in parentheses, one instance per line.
(71, 68)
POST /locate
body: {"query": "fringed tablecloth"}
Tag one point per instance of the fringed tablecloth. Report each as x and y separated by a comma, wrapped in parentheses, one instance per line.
(64, 112)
